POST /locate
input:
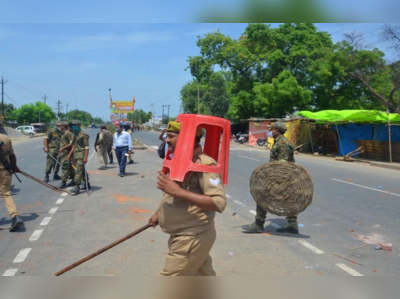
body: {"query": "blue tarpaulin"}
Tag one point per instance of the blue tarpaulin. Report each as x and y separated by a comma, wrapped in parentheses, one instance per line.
(381, 133)
(350, 133)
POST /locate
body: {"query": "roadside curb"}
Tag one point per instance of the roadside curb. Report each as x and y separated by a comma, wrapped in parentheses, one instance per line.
(145, 146)
(388, 166)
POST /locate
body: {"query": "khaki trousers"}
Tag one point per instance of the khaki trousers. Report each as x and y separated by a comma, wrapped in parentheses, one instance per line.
(5, 193)
(103, 155)
(190, 255)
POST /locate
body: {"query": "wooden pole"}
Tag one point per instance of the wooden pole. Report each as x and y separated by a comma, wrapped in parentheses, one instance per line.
(74, 265)
(311, 140)
(390, 138)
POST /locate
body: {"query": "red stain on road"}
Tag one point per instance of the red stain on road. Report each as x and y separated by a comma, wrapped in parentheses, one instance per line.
(136, 210)
(123, 198)
(29, 206)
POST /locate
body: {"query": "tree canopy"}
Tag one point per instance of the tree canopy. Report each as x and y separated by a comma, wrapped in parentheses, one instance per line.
(274, 72)
(29, 113)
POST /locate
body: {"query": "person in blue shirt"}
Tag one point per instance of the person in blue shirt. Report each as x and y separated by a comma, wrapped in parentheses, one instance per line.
(122, 147)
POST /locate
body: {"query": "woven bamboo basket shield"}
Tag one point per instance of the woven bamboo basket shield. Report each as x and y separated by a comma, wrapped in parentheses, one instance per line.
(282, 188)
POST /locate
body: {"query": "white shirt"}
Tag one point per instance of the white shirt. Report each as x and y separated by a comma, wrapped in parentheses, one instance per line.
(122, 140)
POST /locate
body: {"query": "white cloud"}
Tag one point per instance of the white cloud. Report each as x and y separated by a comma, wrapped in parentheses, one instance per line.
(109, 40)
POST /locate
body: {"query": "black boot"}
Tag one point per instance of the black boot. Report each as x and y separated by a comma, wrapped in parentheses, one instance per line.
(83, 186)
(291, 228)
(16, 224)
(63, 185)
(46, 178)
(75, 191)
(254, 228)
(71, 184)
(56, 177)
(131, 162)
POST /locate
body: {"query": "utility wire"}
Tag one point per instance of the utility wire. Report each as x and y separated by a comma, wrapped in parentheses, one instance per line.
(12, 100)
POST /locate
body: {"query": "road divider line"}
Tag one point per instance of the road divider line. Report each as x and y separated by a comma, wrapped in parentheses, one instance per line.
(40, 146)
(45, 221)
(36, 235)
(365, 187)
(311, 247)
(59, 201)
(253, 212)
(64, 194)
(276, 225)
(22, 255)
(10, 272)
(248, 158)
(228, 196)
(237, 202)
(348, 270)
(53, 210)
(154, 147)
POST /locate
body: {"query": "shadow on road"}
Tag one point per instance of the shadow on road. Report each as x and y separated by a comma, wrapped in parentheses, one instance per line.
(25, 217)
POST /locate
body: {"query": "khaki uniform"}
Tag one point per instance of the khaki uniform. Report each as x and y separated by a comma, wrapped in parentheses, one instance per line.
(6, 178)
(53, 143)
(81, 143)
(102, 149)
(281, 151)
(67, 169)
(192, 229)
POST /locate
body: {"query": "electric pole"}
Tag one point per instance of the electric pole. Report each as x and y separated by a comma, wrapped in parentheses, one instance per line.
(163, 114)
(2, 99)
(152, 114)
(44, 99)
(168, 112)
(59, 106)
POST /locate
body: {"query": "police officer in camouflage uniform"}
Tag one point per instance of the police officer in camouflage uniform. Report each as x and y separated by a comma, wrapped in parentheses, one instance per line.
(81, 153)
(51, 148)
(282, 150)
(67, 140)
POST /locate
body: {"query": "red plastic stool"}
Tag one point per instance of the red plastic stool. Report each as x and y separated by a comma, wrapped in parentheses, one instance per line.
(214, 146)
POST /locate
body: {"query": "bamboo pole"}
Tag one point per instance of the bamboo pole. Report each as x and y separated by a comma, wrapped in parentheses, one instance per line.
(390, 138)
(74, 265)
(340, 140)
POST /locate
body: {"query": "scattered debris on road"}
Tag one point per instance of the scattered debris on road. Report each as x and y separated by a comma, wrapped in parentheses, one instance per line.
(386, 246)
(358, 247)
(347, 259)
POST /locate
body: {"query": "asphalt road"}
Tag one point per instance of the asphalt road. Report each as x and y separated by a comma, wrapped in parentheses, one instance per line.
(352, 207)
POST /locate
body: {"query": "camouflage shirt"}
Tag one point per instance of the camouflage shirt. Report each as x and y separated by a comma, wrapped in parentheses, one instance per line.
(53, 139)
(282, 150)
(81, 143)
(67, 138)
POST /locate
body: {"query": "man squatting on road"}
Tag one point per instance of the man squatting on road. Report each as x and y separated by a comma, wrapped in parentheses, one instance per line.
(187, 212)
(51, 148)
(282, 150)
(7, 151)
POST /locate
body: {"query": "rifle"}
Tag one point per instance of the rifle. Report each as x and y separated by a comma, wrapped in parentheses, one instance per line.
(4, 161)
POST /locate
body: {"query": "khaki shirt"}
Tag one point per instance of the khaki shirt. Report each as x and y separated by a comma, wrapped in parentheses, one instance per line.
(7, 148)
(179, 217)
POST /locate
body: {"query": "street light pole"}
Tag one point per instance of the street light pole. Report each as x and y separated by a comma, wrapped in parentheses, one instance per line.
(168, 112)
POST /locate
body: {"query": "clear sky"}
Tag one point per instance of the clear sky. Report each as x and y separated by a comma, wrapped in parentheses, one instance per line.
(80, 62)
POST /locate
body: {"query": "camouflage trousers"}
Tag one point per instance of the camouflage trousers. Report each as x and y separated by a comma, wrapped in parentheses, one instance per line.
(261, 215)
(67, 169)
(51, 163)
(79, 171)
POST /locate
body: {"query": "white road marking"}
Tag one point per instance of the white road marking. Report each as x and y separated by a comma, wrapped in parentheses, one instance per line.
(311, 247)
(154, 147)
(59, 201)
(348, 270)
(36, 235)
(365, 187)
(253, 212)
(248, 158)
(228, 196)
(53, 210)
(10, 272)
(64, 194)
(45, 221)
(237, 202)
(39, 146)
(276, 225)
(22, 255)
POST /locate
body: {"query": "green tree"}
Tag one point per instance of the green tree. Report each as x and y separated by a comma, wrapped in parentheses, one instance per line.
(84, 117)
(8, 110)
(216, 98)
(29, 113)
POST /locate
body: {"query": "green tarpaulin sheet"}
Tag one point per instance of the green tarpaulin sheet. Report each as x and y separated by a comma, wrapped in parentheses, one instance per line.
(351, 116)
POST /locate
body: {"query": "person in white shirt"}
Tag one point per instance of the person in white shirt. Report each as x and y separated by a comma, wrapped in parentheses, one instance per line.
(122, 148)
